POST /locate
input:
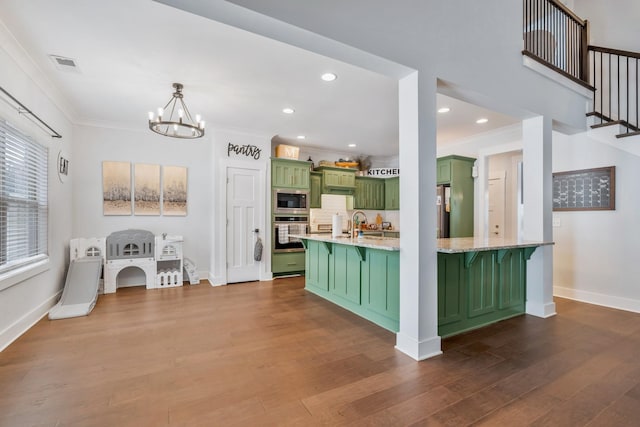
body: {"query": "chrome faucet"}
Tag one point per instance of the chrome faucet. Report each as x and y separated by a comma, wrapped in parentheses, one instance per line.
(353, 221)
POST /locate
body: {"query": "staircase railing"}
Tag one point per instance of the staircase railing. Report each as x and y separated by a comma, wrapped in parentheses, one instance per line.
(615, 77)
(556, 37)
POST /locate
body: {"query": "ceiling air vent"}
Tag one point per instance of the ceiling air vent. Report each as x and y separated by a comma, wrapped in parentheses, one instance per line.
(64, 64)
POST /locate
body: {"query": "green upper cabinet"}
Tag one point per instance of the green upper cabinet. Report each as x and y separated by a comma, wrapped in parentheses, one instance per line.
(369, 193)
(392, 193)
(315, 179)
(456, 171)
(338, 180)
(444, 171)
(286, 173)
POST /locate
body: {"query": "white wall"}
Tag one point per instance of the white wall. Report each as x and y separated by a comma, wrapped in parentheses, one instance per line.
(24, 303)
(93, 145)
(595, 255)
(611, 24)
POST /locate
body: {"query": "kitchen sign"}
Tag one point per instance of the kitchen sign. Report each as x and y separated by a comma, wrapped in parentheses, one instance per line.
(383, 172)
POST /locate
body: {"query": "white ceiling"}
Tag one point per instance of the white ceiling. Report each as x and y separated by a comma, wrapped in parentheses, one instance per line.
(129, 52)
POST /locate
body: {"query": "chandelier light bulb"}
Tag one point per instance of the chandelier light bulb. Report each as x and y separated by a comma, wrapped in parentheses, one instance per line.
(178, 123)
(151, 115)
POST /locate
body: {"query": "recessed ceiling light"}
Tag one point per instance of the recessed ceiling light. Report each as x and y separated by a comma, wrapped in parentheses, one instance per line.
(352, 146)
(301, 137)
(482, 121)
(444, 110)
(288, 110)
(328, 77)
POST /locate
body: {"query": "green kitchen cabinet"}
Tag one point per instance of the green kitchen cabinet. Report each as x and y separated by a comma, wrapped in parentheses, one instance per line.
(369, 193)
(456, 172)
(338, 180)
(365, 281)
(315, 181)
(317, 264)
(479, 288)
(381, 283)
(286, 173)
(289, 262)
(394, 234)
(392, 194)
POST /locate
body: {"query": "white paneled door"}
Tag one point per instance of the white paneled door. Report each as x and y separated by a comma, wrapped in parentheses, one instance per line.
(496, 204)
(242, 222)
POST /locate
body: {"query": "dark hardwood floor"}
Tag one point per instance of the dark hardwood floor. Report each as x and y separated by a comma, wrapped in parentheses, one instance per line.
(268, 353)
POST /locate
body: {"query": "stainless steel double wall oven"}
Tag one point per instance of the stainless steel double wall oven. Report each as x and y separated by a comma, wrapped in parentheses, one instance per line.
(290, 216)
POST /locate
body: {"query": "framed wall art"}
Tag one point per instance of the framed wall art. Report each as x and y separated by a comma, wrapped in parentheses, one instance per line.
(146, 190)
(174, 191)
(116, 188)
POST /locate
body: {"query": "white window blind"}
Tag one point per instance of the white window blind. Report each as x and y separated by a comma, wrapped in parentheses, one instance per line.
(23, 199)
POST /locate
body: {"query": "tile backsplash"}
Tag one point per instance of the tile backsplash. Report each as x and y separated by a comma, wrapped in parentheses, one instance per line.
(342, 205)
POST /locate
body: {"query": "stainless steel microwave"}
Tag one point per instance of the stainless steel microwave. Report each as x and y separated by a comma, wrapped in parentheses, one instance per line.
(288, 201)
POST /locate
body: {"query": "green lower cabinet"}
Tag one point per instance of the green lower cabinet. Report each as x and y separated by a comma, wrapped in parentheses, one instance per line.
(344, 272)
(381, 287)
(450, 289)
(362, 280)
(286, 263)
(479, 288)
(317, 265)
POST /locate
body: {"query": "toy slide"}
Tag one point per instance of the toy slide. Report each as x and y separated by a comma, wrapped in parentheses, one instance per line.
(80, 289)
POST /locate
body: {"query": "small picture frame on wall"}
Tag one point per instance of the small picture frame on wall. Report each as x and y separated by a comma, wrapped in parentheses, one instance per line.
(116, 188)
(174, 191)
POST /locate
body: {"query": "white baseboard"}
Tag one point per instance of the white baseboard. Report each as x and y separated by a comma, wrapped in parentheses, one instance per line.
(22, 325)
(418, 350)
(216, 281)
(611, 301)
(541, 310)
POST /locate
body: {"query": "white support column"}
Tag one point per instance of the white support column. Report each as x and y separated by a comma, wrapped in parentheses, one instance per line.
(418, 335)
(538, 198)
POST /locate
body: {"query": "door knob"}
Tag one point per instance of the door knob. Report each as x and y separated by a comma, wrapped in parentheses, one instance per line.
(257, 230)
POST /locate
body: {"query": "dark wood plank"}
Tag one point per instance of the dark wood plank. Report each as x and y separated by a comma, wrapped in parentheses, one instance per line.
(269, 353)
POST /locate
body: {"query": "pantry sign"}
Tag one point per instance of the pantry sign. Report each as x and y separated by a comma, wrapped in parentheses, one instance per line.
(383, 172)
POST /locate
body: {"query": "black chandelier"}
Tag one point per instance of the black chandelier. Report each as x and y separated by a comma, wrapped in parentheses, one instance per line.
(184, 127)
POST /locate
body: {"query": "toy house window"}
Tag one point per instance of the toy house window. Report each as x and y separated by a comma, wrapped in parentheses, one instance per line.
(93, 251)
(131, 249)
(168, 250)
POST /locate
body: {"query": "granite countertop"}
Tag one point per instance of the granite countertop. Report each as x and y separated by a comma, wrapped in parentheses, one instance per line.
(373, 242)
(474, 244)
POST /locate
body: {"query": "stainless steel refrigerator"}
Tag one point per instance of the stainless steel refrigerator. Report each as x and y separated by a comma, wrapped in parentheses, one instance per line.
(443, 196)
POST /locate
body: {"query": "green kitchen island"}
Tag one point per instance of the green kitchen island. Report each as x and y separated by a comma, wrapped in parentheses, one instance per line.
(359, 274)
(480, 281)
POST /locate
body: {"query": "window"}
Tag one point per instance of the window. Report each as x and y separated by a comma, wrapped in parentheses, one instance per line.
(23, 200)
(131, 249)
